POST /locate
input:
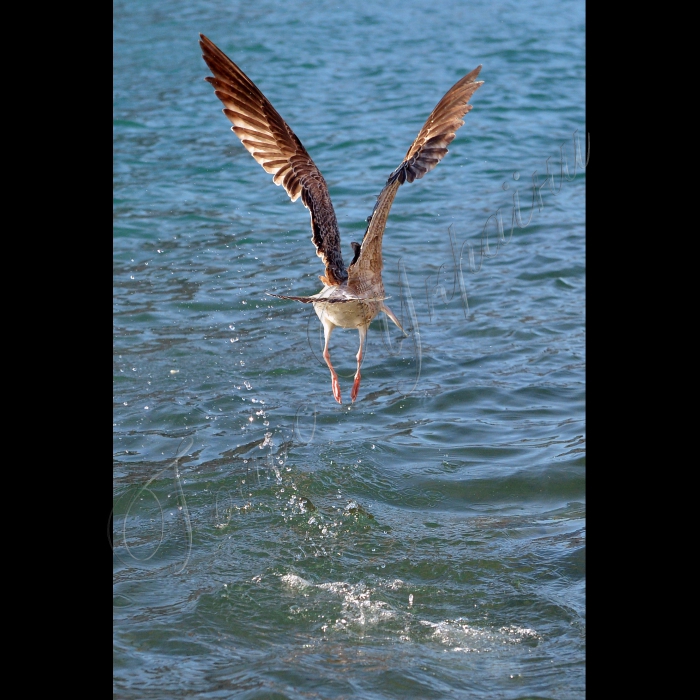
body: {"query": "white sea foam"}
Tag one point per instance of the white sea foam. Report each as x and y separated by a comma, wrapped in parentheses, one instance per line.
(460, 635)
(361, 611)
(294, 581)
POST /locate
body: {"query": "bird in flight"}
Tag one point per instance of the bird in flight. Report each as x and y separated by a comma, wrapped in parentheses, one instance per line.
(351, 296)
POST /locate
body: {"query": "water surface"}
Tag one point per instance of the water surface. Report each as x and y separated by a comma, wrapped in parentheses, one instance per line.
(427, 541)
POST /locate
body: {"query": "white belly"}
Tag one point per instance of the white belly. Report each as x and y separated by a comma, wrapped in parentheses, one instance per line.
(352, 313)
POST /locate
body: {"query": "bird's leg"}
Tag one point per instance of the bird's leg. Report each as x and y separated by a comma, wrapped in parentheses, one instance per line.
(390, 314)
(327, 330)
(356, 385)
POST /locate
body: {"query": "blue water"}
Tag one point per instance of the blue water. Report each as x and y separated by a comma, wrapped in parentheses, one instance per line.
(427, 541)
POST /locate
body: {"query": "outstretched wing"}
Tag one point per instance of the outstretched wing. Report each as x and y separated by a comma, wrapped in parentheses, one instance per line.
(425, 153)
(274, 145)
(315, 299)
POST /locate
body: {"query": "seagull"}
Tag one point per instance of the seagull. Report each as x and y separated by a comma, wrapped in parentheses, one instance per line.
(351, 296)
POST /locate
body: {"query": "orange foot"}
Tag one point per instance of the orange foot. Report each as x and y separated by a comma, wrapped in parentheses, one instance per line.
(336, 388)
(355, 388)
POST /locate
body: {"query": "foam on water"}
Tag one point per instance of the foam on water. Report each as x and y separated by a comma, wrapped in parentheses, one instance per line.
(362, 613)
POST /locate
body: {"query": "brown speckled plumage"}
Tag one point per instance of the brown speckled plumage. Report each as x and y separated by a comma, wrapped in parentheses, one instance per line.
(275, 146)
(351, 297)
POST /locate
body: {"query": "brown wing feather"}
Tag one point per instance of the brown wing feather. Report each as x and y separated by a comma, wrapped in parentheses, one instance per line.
(428, 149)
(268, 138)
(316, 300)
